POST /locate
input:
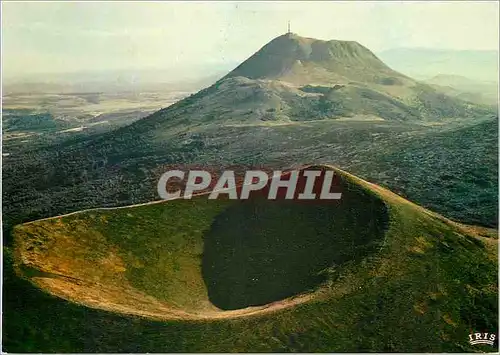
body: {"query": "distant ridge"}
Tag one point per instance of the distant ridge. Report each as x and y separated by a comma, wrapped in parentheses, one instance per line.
(424, 63)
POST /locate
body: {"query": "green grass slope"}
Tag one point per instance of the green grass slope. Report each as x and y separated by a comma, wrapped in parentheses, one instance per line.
(138, 279)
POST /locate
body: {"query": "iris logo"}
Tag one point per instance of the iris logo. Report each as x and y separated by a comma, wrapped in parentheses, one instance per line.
(482, 338)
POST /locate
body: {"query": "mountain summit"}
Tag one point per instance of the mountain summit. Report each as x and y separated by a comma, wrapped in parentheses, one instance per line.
(302, 60)
(293, 78)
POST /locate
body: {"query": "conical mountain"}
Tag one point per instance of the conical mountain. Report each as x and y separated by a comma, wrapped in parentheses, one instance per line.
(302, 60)
(294, 78)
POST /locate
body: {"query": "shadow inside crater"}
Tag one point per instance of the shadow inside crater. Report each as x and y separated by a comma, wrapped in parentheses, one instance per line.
(259, 251)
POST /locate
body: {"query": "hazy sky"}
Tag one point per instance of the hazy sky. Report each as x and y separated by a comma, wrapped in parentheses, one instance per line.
(56, 37)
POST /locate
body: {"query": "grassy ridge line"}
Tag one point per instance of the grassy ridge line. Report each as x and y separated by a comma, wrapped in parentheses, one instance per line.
(172, 314)
(97, 209)
(202, 193)
(386, 194)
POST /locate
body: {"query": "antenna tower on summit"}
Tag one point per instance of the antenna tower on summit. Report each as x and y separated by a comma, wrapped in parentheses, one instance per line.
(289, 27)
